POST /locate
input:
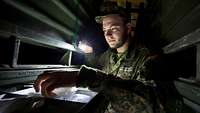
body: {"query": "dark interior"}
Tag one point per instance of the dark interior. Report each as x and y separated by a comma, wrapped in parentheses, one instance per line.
(36, 34)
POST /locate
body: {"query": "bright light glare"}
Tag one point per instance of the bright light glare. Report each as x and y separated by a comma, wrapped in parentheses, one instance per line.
(82, 47)
(85, 47)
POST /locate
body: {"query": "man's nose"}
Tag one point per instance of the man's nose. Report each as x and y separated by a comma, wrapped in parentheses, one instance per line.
(108, 33)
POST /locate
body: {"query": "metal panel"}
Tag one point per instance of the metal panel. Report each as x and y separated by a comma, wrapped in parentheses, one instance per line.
(32, 37)
(34, 13)
(187, 24)
(57, 10)
(67, 11)
(184, 42)
(26, 75)
(191, 90)
(27, 79)
(181, 9)
(194, 106)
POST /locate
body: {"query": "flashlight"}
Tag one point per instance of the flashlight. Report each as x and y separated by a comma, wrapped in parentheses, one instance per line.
(85, 47)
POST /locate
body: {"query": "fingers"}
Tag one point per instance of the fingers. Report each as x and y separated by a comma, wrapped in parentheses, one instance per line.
(47, 82)
(48, 86)
(52, 83)
(41, 78)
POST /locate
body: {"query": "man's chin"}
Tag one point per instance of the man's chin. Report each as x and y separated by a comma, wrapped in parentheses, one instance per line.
(112, 46)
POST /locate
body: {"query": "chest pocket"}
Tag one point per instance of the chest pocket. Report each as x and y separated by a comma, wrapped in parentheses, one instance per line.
(125, 72)
(131, 68)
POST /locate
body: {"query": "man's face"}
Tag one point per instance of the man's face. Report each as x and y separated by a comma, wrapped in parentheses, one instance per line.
(114, 30)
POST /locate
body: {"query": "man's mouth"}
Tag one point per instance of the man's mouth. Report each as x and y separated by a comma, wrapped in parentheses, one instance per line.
(111, 41)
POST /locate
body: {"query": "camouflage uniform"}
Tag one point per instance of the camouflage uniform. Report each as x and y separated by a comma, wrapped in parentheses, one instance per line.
(125, 80)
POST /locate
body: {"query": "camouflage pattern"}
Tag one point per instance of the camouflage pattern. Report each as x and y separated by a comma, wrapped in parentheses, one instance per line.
(131, 65)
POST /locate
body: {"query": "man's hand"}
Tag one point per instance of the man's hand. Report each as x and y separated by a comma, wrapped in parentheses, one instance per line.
(48, 81)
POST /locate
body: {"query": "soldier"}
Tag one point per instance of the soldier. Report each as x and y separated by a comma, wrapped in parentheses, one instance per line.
(127, 68)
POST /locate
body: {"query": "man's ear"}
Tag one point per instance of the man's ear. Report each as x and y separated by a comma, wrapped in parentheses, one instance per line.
(129, 27)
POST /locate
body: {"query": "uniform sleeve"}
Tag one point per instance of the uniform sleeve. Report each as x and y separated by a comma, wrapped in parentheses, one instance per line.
(128, 95)
(90, 59)
(125, 95)
(96, 60)
(90, 77)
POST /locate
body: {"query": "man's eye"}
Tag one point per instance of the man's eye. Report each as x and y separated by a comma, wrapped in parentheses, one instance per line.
(114, 29)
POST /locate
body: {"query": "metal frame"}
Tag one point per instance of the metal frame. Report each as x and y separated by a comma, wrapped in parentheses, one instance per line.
(31, 37)
(188, 88)
(11, 76)
(190, 40)
(198, 62)
(192, 104)
(187, 41)
(39, 16)
(15, 51)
